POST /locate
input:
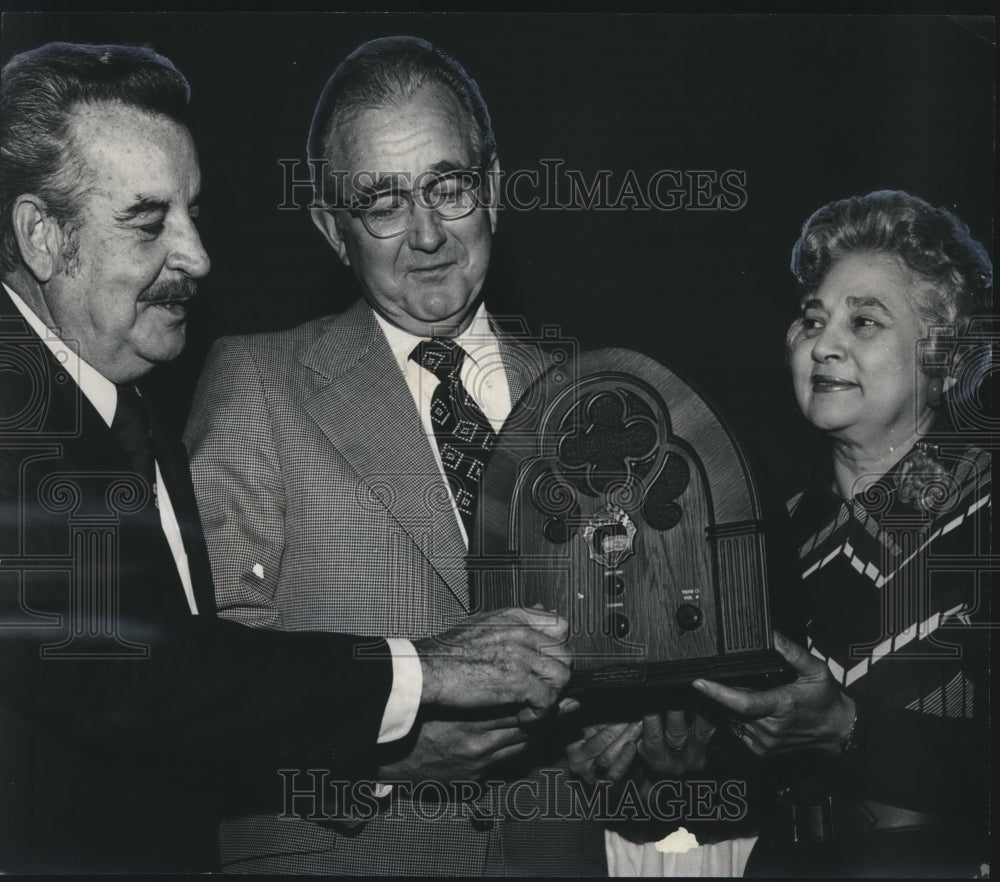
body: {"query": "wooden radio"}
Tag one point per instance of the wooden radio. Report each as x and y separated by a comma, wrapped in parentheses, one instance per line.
(617, 496)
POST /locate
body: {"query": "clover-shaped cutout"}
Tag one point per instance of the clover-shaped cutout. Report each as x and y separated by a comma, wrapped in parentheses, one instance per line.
(611, 442)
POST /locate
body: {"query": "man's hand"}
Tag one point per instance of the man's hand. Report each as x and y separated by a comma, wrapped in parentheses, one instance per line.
(605, 752)
(514, 656)
(812, 711)
(449, 750)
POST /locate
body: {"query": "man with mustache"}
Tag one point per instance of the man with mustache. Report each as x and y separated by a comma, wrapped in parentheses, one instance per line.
(344, 455)
(121, 693)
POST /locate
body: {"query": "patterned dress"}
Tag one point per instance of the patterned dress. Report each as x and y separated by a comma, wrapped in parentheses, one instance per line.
(896, 584)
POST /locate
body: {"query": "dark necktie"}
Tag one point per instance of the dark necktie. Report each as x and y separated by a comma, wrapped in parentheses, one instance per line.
(131, 427)
(464, 436)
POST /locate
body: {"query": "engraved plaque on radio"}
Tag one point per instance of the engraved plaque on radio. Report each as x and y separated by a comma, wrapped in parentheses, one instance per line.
(617, 496)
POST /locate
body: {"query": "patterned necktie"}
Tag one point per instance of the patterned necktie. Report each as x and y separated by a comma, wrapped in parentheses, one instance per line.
(131, 427)
(464, 436)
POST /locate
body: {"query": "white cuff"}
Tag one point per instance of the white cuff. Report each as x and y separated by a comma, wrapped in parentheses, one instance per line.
(407, 687)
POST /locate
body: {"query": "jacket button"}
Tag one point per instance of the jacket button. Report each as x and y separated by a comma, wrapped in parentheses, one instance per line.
(481, 825)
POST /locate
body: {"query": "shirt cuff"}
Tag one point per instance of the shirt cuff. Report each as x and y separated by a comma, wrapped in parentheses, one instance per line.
(407, 687)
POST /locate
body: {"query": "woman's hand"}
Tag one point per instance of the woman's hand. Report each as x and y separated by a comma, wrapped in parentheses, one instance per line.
(666, 744)
(813, 711)
(672, 748)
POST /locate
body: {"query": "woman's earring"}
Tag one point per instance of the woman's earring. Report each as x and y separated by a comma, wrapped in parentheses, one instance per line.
(935, 391)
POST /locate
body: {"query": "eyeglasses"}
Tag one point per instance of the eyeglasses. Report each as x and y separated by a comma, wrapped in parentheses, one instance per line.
(387, 212)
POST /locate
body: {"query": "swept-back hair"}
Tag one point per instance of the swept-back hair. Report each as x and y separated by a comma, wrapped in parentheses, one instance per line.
(39, 91)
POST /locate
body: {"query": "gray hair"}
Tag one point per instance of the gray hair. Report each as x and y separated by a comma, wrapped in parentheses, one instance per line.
(39, 92)
(932, 243)
(385, 73)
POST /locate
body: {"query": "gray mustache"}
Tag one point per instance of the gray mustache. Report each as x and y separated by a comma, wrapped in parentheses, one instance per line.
(170, 292)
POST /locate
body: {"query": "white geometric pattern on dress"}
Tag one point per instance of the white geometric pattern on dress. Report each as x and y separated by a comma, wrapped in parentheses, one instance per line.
(917, 630)
(870, 570)
(958, 697)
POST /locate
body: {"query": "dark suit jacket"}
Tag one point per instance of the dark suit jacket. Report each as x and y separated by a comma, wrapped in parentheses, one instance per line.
(117, 706)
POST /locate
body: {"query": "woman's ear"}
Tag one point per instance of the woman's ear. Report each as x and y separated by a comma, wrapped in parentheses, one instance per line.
(935, 391)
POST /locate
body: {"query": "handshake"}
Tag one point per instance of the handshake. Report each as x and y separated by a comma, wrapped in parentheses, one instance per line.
(511, 657)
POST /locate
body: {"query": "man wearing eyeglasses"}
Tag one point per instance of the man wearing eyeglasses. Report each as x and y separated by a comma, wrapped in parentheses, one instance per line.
(121, 694)
(337, 464)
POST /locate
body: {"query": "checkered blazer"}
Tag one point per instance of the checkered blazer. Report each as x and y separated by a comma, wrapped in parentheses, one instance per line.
(323, 507)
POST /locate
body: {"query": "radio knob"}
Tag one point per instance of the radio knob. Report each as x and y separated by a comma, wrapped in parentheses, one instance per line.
(689, 616)
(614, 584)
(616, 625)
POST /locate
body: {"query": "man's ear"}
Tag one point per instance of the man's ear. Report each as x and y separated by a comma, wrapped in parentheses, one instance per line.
(493, 178)
(39, 236)
(326, 223)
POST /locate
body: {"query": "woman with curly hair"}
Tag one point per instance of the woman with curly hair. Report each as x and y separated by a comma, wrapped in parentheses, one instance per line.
(874, 761)
(879, 749)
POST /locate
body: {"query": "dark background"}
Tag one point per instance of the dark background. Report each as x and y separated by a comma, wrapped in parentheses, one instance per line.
(811, 108)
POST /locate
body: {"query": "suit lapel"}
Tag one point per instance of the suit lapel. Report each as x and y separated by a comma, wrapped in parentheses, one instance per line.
(71, 431)
(160, 591)
(365, 408)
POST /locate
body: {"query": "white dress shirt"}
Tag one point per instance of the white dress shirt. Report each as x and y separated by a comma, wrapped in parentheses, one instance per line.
(407, 675)
(484, 377)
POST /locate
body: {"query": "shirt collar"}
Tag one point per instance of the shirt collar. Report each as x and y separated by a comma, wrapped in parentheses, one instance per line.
(478, 340)
(100, 391)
